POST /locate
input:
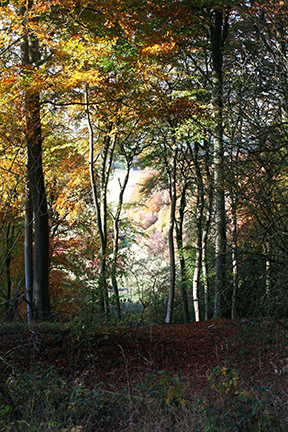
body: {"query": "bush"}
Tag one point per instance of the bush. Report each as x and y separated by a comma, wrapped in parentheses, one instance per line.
(236, 409)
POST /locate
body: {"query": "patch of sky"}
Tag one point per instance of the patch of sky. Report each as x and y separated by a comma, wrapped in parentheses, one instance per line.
(114, 186)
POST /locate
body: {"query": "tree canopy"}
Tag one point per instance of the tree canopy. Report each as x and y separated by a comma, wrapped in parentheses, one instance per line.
(193, 97)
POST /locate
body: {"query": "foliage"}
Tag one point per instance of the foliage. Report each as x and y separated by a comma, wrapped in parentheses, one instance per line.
(237, 409)
(51, 402)
(61, 377)
(46, 400)
(148, 70)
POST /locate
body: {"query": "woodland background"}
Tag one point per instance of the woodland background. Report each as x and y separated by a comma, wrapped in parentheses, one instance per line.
(194, 97)
(143, 182)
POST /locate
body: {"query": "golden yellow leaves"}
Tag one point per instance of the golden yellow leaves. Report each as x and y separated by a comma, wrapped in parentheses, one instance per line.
(175, 394)
(159, 49)
(73, 429)
(81, 61)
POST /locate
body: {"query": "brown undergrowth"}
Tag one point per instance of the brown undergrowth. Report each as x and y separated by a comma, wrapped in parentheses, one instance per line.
(233, 373)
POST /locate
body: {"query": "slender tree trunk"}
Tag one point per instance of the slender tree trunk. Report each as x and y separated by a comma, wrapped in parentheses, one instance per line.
(116, 219)
(100, 199)
(179, 239)
(107, 154)
(97, 205)
(104, 216)
(41, 297)
(8, 266)
(217, 39)
(198, 242)
(114, 269)
(268, 267)
(173, 199)
(28, 251)
(205, 272)
(234, 264)
(206, 228)
(196, 277)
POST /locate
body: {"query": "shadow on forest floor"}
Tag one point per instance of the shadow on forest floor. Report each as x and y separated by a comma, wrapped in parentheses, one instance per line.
(208, 376)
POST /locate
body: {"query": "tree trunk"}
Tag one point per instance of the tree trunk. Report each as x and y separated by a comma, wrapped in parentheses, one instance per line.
(196, 277)
(173, 198)
(97, 206)
(217, 41)
(41, 297)
(234, 264)
(100, 198)
(199, 217)
(268, 267)
(206, 229)
(116, 219)
(28, 251)
(204, 271)
(179, 239)
(8, 266)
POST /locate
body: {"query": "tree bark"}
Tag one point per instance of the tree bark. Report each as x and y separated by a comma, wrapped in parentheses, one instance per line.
(179, 239)
(268, 267)
(8, 266)
(116, 219)
(30, 54)
(234, 264)
(206, 228)
(28, 251)
(218, 36)
(41, 295)
(99, 193)
(98, 211)
(204, 269)
(198, 242)
(173, 199)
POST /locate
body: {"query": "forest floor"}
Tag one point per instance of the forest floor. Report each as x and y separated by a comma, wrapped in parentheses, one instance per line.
(216, 355)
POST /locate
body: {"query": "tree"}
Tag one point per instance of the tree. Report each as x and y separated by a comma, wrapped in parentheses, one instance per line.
(179, 228)
(219, 32)
(168, 74)
(173, 198)
(30, 55)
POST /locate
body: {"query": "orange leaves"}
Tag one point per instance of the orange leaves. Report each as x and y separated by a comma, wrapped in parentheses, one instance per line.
(70, 188)
(177, 109)
(159, 48)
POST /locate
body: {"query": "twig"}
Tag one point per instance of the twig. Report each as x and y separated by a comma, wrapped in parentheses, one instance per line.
(7, 364)
(20, 346)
